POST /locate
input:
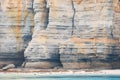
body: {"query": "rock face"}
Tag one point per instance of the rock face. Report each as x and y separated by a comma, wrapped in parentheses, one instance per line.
(95, 41)
(70, 33)
(16, 22)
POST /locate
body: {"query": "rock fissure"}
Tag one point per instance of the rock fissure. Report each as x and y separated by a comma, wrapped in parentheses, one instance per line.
(73, 26)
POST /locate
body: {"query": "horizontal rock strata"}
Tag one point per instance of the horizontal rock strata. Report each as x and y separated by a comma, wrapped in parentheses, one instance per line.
(95, 41)
(73, 34)
(16, 22)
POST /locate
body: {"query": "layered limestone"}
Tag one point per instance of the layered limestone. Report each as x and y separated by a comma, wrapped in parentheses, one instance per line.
(54, 26)
(16, 22)
(95, 40)
(72, 34)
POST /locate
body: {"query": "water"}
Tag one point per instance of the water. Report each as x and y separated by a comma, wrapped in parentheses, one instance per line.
(60, 78)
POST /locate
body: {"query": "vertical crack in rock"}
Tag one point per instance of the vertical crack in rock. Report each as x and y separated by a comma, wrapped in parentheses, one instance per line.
(73, 26)
(111, 29)
(47, 2)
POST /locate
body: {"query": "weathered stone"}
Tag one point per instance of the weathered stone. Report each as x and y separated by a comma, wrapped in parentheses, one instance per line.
(95, 33)
(74, 33)
(16, 23)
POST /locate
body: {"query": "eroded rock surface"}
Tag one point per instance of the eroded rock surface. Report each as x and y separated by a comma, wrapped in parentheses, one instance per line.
(74, 34)
(94, 43)
(16, 23)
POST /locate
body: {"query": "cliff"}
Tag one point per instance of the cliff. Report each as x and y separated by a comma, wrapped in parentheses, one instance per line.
(16, 23)
(71, 34)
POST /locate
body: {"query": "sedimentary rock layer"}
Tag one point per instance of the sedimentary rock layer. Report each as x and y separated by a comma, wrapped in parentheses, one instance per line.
(70, 33)
(95, 41)
(16, 23)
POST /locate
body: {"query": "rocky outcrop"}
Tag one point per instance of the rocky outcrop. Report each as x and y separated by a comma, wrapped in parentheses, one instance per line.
(71, 34)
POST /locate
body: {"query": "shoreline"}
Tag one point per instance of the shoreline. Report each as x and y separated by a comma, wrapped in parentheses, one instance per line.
(58, 72)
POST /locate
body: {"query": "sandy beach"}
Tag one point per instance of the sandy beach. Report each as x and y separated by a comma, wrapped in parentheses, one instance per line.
(60, 72)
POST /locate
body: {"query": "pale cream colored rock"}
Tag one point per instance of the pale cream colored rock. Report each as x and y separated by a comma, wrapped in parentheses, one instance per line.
(81, 32)
(16, 25)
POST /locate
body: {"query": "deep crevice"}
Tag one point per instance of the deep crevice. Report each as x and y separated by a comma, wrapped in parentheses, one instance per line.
(73, 18)
(48, 11)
